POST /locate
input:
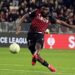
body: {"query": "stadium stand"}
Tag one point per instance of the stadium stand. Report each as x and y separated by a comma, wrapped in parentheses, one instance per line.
(12, 10)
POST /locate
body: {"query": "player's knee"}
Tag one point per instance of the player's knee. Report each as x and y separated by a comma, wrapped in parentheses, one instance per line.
(38, 46)
(36, 56)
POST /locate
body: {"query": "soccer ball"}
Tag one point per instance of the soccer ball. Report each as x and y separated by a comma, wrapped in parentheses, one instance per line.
(14, 48)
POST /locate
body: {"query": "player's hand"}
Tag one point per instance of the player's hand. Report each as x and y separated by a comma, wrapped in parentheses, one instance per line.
(72, 26)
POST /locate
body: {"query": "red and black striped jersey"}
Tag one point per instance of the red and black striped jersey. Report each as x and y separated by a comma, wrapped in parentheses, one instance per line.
(39, 23)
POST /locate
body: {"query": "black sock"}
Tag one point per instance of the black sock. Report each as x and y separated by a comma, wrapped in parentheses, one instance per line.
(44, 63)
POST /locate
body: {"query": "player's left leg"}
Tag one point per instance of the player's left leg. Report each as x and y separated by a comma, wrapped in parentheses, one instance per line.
(36, 57)
(41, 60)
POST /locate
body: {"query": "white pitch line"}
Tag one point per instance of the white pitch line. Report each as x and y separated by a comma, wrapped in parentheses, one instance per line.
(23, 71)
(31, 65)
(29, 71)
(63, 72)
(14, 65)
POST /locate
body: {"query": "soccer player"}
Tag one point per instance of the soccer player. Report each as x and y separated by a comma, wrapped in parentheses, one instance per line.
(40, 21)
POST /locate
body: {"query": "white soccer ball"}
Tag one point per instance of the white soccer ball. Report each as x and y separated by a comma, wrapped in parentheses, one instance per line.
(14, 48)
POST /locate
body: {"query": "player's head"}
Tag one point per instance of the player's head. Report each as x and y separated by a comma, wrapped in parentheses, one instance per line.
(45, 10)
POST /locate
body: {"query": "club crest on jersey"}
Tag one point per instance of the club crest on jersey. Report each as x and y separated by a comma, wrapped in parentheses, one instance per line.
(42, 18)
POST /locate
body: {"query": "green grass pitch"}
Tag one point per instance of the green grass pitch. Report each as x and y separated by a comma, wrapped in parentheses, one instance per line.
(20, 64)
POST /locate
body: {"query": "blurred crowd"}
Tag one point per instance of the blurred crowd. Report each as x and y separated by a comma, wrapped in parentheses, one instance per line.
(13, 10)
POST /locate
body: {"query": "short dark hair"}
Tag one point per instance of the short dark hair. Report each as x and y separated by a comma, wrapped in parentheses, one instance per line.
(45, 5)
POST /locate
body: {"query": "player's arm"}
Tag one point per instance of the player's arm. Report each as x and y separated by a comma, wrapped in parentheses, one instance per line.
(64, 23)
(18, 28)
(30, 14)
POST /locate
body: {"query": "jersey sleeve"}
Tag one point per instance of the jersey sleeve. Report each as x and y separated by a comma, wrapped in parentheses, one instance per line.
(32, 14)
(52, 19)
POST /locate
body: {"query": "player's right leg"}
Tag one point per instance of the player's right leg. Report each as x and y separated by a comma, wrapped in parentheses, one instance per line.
(32, 50)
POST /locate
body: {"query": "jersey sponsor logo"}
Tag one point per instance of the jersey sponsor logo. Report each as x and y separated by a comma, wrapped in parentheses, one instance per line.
(42, 18)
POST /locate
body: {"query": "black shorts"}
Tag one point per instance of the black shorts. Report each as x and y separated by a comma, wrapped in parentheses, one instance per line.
(34, 38)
